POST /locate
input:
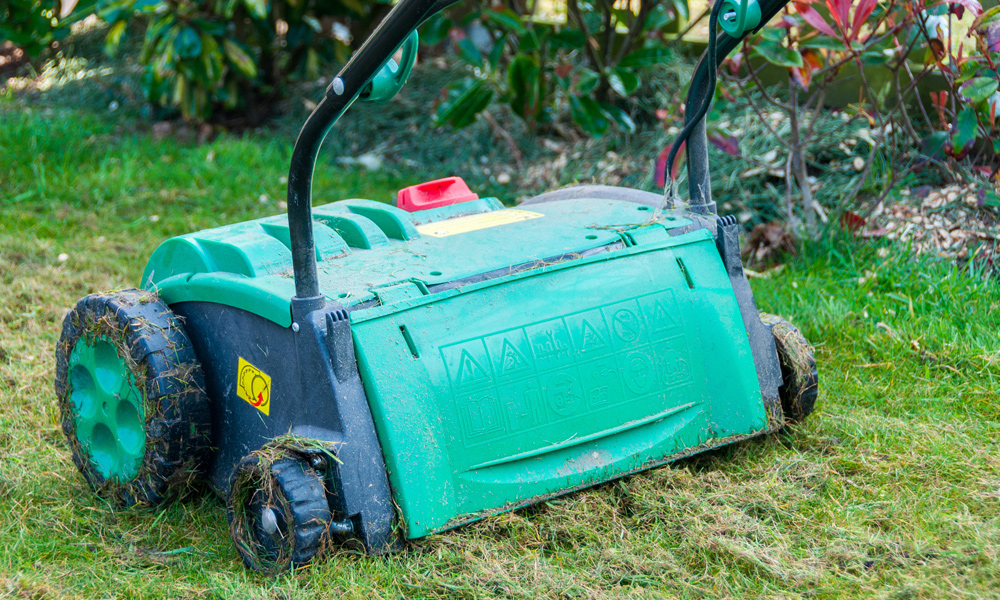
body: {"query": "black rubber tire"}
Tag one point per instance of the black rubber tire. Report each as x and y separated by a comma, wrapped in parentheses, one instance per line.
(800, 378)
(606, 192)
(294, 491)
(158, 354)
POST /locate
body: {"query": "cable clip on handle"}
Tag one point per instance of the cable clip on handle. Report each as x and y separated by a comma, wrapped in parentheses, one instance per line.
(739, 17)
(392, 76)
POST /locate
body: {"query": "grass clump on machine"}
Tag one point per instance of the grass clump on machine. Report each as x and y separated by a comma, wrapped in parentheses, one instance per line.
(363, 373)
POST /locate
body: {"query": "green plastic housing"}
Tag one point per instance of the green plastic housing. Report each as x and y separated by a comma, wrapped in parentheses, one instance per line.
(507, 355)
(549, 380)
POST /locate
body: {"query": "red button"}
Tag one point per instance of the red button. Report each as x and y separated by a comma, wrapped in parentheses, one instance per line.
(443, 192)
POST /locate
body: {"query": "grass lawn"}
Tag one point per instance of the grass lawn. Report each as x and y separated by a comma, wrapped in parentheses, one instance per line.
(890, 490)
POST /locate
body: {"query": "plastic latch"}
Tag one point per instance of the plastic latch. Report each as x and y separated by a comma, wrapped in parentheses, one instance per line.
(432, 194)
(398, 291)
(650, 234)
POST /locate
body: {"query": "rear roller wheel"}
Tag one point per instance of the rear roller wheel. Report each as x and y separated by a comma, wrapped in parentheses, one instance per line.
(131, 395)
(278, 512)
(800, 379)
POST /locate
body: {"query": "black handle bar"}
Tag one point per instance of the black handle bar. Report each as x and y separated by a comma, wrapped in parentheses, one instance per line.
(404, 18)
(699, 179)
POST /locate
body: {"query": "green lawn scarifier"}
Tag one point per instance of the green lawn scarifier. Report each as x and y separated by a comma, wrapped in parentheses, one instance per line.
(360, 373)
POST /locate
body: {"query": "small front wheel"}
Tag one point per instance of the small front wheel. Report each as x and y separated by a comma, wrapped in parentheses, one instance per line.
(131, 395)
(800, 379)
(278, 512)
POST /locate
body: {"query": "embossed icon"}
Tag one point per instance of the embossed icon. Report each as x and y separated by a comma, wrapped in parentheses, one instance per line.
(591, 339)
(639, 373)
(660, 312)
(674, 367)
(602, 382)
(661, 317)
(470, 371)
(564, 394)
(511, 360)
(549, 347)
(600, 395)
(626, 325)
(519, 411)
(523, 405)
(481, 416)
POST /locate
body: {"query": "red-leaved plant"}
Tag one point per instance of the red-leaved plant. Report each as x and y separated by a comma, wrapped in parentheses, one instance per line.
(903, 43)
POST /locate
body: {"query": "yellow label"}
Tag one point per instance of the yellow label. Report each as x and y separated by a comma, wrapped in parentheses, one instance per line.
(254, 386)
(475, 222)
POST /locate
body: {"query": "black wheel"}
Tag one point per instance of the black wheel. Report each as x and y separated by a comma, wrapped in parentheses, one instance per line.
(800, 379)
(606, 192)
(131, 397)
(278, 512)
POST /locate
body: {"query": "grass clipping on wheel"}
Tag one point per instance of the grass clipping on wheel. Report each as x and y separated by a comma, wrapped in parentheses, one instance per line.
(253, 486)
(172, 458)
(798, 360)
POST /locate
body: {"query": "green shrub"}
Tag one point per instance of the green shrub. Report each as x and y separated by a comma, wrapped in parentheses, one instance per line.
(583, 72)
(31, 25)
(201, 56)
(910, 115)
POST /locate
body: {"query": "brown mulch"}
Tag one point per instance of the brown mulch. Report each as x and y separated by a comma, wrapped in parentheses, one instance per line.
(958, 222)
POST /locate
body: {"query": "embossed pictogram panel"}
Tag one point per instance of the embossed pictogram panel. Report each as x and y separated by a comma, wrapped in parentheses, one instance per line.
(540, 374)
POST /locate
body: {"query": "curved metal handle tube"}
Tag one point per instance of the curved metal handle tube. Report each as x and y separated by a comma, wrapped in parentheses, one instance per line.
(404, 18)
(699, 179)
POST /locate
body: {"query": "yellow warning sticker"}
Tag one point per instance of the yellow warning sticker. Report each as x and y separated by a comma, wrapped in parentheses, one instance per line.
(254, 386)
(476, 222)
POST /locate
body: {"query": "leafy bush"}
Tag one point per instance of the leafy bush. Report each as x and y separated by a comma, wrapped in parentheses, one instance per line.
(31, 25)
(816, 43)
(976, 79)
(583, 71)
(204, 55)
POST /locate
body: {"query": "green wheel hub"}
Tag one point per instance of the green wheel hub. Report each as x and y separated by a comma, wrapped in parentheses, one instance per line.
(107, 409)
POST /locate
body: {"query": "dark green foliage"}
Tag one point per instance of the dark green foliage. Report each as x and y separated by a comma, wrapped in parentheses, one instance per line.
(227, 54)
(31, 24)
(585, 71)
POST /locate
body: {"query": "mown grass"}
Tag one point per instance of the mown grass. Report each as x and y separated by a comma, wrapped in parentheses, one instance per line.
(890, 490)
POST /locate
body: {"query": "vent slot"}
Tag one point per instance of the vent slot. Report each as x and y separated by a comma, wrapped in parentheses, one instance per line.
(684, 271)
(409, 341)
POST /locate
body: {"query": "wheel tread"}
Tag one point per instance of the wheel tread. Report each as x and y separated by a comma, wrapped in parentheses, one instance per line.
(163, 361)
(800, 376)
(299, 490)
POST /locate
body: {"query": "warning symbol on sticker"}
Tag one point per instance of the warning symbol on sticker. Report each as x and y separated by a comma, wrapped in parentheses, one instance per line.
(254, 386)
